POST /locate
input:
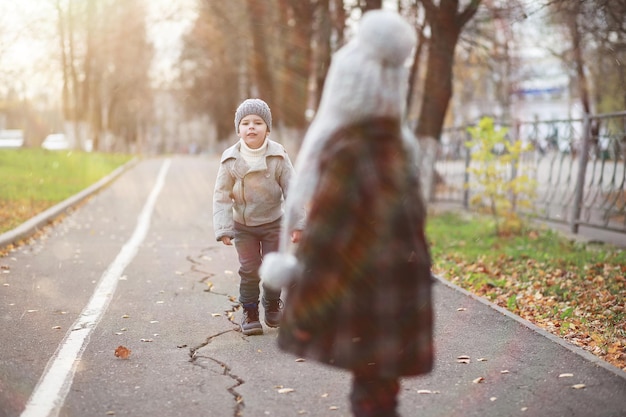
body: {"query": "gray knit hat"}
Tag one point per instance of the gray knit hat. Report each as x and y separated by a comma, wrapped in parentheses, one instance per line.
(253, 106)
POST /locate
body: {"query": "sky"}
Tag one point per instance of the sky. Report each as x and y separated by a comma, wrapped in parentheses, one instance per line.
(28, 63)
(24, 41)
(167, 22)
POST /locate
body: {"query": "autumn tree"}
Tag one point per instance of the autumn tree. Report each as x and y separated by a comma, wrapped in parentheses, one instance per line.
(212, 64)
(597, 49)
(105, 60)
(487, 64)
(270, 55)
(126, 91)
(296, 34)
(446, 22)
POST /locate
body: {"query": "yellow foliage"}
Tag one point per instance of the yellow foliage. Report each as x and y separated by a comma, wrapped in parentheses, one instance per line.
(493, 158)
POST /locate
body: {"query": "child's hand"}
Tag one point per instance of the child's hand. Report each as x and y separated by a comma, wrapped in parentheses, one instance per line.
(226, 240)
(296, 235)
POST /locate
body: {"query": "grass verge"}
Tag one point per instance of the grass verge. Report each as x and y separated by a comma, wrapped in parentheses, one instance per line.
(573, 290)
(36, 179)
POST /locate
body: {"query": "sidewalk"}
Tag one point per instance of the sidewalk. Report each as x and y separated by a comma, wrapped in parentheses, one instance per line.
(488, 362)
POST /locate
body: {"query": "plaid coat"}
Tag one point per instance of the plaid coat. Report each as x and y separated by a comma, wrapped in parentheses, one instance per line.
(363, 302)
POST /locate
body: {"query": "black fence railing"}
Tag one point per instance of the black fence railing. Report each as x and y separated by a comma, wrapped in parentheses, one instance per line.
(579, 166)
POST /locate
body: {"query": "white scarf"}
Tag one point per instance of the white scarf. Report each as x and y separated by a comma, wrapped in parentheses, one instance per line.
(252, 156)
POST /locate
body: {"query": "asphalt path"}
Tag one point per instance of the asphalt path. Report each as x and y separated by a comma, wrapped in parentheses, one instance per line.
(136, 265)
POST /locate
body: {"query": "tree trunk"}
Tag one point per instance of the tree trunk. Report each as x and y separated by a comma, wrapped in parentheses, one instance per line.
(323, 52)
(583, 85)
(446, 23)
(297, 16)
(415, 69)
(64, 65)
(257, 14)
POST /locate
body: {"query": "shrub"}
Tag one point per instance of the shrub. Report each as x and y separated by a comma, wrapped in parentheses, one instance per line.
(500, 188)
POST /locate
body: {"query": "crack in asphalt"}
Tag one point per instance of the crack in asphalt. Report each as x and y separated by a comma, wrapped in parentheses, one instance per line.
(230, 316)
(227, 371)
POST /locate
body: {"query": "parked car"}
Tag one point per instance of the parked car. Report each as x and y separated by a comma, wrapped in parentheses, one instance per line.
(56, 142)
(11, 138)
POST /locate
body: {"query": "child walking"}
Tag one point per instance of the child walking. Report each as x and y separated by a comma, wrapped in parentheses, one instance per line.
(251, 186)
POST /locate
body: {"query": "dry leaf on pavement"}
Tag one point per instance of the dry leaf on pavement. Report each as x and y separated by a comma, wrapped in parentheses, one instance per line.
(285, 390)
(122, 352)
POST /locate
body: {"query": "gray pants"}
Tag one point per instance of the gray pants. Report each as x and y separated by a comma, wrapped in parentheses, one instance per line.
(252, 243)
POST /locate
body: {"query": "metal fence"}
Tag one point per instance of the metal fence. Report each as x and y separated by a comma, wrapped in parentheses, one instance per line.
(579, 166)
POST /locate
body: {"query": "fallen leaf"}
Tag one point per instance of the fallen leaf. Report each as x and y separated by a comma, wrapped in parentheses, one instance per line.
(482, 359)
(160, 302)
(285, 390)
(300, 360)
(461, 309)
(333, 407)
(463, 360)
(122, 352)
(478, 380)
(578, 386)
(506, 371)
(216, 314)
(154, 321)
(110, 413)
(566, 375)
(424, 391)
(463, 357)
(325, 395)
(492, 399)
(125, 316)
(56, 327)
(31, 311)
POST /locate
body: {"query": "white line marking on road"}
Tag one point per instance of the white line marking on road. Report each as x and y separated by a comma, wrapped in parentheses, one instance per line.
(54, 385)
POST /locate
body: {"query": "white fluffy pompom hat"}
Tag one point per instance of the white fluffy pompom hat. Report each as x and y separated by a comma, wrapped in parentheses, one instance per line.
(367, 78)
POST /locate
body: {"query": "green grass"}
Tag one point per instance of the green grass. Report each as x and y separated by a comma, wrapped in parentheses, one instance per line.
(572, 289)
(35, 179)
(473, 238)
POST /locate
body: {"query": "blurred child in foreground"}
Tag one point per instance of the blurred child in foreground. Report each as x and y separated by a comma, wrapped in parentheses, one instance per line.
(359, 281)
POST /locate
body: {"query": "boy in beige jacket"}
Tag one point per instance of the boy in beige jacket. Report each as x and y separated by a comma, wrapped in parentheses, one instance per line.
(250, 189)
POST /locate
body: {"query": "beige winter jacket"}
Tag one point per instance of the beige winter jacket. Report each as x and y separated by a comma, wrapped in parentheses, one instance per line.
(250, 195)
